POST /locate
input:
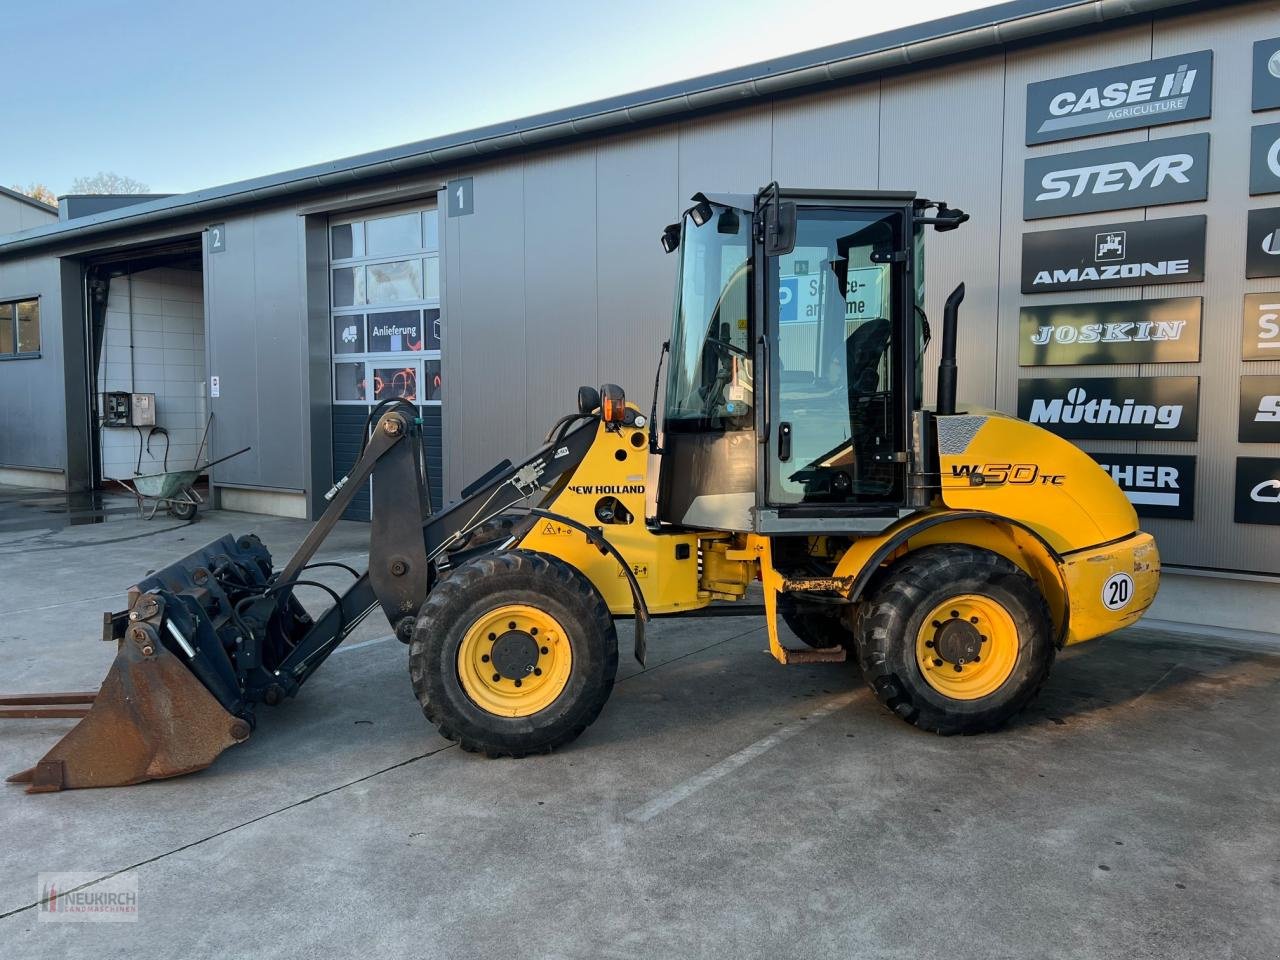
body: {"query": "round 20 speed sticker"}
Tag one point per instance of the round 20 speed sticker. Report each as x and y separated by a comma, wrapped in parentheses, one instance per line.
(1117, 591)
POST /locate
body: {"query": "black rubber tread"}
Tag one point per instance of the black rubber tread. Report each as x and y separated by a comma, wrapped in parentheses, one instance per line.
(886, 626)
(495, 528)
(181, 509)
(517, 576)
(819, 625)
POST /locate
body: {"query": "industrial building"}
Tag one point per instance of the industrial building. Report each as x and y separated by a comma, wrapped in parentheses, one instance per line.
(1120, 160)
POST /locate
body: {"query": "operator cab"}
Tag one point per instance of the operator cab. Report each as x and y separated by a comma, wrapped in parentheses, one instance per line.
(796, 360)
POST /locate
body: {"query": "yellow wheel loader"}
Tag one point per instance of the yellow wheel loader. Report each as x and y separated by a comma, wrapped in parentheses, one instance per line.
(952, 552)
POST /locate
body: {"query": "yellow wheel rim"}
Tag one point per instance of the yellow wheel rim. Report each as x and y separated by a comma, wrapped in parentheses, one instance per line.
(514, 661)
(967, 647)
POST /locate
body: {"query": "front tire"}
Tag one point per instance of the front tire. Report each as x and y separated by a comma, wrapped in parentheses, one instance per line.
(513, 653)
(955, 639)
(819, 625)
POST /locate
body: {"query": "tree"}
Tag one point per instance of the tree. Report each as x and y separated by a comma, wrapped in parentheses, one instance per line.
(108, 183)
(38, 191)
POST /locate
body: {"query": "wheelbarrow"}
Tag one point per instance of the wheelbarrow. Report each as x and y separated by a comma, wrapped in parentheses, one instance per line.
(172, 488)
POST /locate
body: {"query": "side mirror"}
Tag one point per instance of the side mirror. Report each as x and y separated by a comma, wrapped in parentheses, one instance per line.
(670, 237)
(779, 228)
(588, 400)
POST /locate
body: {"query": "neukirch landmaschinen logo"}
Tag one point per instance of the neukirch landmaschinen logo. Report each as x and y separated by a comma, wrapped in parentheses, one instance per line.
(80, 897)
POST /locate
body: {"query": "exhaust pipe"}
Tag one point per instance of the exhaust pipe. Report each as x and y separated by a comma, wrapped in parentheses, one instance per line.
(947, 365)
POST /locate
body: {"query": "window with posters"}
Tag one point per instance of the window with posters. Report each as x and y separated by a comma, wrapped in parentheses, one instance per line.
(385, 302)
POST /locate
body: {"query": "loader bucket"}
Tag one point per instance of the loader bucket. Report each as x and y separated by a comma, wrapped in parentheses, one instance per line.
(152, 719)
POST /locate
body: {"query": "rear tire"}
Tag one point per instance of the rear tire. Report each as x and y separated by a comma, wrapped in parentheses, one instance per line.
(932, 620)
(490, 613)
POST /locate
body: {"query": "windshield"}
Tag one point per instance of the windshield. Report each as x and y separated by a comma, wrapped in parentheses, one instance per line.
(710, 381)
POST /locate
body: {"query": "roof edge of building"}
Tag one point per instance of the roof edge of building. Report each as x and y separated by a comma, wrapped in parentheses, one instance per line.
(965, 33)
(30, 201)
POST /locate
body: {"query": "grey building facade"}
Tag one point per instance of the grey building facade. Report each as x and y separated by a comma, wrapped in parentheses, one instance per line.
(493, 271)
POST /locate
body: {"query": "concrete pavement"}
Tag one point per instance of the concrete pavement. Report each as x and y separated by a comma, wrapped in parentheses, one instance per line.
(722, 806)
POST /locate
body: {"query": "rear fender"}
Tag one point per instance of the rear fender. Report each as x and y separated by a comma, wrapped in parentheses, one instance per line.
(1018, 544)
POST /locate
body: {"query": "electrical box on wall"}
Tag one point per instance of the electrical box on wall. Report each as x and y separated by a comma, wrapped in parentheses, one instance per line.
(123, 409)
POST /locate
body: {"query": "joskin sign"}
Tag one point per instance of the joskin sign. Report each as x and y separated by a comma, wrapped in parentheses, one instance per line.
(1135, 95)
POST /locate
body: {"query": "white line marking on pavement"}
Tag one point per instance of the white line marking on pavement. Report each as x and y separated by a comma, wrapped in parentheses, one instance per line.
(682, 791)
(346, 647)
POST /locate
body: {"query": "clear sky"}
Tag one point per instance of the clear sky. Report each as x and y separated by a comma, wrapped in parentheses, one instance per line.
(182, 94)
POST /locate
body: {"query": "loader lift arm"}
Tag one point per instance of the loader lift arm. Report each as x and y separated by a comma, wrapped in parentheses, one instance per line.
(206, 639)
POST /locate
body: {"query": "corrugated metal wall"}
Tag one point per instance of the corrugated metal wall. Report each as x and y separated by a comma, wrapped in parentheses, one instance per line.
(557, 279)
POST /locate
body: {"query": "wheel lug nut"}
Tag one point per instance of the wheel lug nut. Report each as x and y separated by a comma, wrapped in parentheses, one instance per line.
(533, 632)
(958, 668)
(484, 658)
(982, 638)
(511, 625)
(937, 623)
(937, 662)
(497, 677)
(976, 658)
(955, 614)
(537, 671)
(545, 650)
(493, 636)
(973, 619)
(517, 683)
(928, 643)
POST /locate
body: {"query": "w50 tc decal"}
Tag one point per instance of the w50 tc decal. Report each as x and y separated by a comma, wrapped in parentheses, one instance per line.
(1027, 474)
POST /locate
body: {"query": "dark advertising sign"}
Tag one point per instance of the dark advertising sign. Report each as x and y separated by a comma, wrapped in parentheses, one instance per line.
(1122, 331)
(1257, 490)
(1134, 253)
(1113, 408)
(1261, 326)
(1264, 159)
(1266, 74)
(1157, 485)
(1135, 95)
(1262, 255)
(1259, 410)
(1144, 174)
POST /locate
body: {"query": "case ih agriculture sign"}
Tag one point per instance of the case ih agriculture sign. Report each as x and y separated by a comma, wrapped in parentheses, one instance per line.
(1129, 254)
(1121, 98)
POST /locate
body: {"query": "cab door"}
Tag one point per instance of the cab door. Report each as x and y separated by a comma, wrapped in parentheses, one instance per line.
(836, 311)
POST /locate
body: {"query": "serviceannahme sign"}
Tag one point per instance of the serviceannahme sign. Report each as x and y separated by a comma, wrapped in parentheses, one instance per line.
(1144, 174)
(1134, 253)
(1142, 94)
(1113, 408)
(1121, 331)
(1158, 485)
